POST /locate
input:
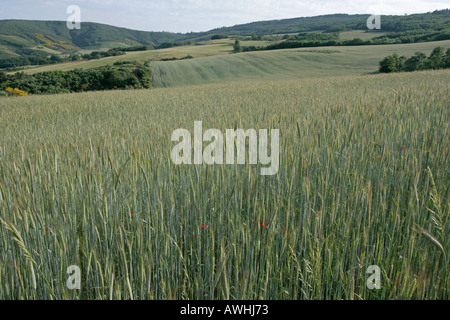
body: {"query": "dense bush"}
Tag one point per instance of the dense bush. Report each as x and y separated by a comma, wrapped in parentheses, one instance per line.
(24, 61)
(167, 45)
(438, 59)
(218, 37)
(123, 76)
(175, 58)
(114, 52)
(237, 46)
(314, 36)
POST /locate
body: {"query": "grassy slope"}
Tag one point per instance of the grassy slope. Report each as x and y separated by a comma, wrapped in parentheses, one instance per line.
(361, 34)
(203, 49)
(282, 64)
(73, 166)
(20, 34)
(214, 63)
(57, 30)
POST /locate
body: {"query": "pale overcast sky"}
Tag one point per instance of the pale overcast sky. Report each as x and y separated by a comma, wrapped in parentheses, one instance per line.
(202, 15)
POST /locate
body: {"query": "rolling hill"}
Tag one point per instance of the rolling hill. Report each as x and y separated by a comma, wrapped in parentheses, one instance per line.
(282, 64)
(212, 62)
(29, 37)
(22, 37)
(339, 22)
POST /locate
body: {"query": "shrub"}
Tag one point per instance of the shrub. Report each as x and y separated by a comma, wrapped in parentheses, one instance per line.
(237, 46)
(219, 36)
(439, 59)
(16, 92)
(123, 76)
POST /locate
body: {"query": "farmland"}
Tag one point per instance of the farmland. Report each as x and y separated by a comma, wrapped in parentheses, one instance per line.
(213, 62)
(282, 64)
(86, 179)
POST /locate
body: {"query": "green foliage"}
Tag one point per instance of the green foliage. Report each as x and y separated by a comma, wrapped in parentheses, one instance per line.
(136, 48)
(314, 36)
(167, 45)
(390, 64)
(25, 60)
(219, 36)
(3, 76)
(175, 58)
(55, 59)
(414, 35)
(123, 76)
(416, 62)
(255, 37)
(76, 57)
(237, 46)
(438, 59)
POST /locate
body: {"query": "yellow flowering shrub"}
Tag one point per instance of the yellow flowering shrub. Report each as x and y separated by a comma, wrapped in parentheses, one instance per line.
(16, 92)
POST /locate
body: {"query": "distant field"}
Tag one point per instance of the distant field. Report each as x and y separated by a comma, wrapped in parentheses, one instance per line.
(214, 62)
(282, 64)
(362, 34)
(256, 43)
(86, 179)
(45, 49)
(205, 49)
(110, 45)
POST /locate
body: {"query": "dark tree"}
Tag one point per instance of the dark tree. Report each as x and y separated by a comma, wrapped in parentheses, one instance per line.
(237, 46)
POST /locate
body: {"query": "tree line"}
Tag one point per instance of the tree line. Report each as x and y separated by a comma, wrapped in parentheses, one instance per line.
(121, 75)
(25, 60)
(438, 59)
(317, 39)
(340, 22)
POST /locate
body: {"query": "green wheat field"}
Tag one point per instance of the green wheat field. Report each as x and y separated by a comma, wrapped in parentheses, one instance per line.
(87, 180)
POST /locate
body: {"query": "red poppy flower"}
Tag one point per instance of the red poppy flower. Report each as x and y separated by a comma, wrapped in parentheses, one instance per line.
(287, 234)
(204, 226)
